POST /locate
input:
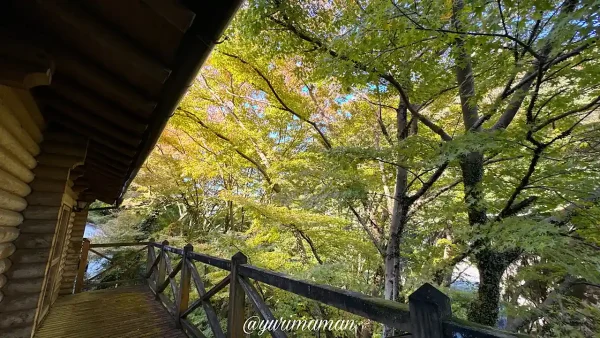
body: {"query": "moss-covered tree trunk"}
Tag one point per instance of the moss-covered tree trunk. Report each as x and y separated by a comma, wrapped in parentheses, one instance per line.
(398, 222)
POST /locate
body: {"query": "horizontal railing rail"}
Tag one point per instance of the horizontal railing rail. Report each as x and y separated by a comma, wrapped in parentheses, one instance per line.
(117, 245)
(82, 282)
(427, 315)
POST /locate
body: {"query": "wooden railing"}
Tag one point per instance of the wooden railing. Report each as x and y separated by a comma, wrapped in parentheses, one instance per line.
(87, 248)
(427, 315)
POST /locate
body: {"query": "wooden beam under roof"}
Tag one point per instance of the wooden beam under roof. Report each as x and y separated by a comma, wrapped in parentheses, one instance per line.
(102, 193)
(99, 157)
(90, 76)
(19, 74)
(109, 158)
(92, 122)
(90, 101)
(22, 64)
(106, 169)
(110, 153)
(141, 23)
(99, 180)
(59, 136)
(106, 140)
(108, 193)
(101, 183)
(178, 15)
(21, 47)
(107, 47)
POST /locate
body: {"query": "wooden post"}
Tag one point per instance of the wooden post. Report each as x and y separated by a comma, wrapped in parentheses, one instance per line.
(149, 261)
(429, 307)
(85, 248)
(184, 286)
(162, 266)
(235, 319)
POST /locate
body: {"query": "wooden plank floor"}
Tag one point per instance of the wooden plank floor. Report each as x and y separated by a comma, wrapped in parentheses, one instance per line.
(123, 312)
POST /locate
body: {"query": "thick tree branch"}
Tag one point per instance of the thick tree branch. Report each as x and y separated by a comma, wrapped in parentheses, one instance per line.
(428, 184)
(258, 166)
(311, 244)
(508, 208)
(435, 195)
(518, 207)
(594, 104)
(378, 245)
(358, 65)
(541, 64)
(464, 73)
(324, 139)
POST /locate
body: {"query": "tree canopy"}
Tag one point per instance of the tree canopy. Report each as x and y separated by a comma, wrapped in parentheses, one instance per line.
(377, 145)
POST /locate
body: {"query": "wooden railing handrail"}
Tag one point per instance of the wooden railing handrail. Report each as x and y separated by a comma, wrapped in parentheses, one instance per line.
(428, 314)
(380, 310)
(117, 245)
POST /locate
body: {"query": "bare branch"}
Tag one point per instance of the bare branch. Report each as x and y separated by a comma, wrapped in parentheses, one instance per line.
(594, 104)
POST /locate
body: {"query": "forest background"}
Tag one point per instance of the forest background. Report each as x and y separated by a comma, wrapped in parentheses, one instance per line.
(378, 145)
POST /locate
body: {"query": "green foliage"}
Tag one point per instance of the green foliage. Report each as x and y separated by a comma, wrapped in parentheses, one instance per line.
(289, 146)
(125, 267)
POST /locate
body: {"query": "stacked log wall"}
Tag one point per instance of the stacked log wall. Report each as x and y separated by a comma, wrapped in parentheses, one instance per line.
(35, 183)
(21, 126)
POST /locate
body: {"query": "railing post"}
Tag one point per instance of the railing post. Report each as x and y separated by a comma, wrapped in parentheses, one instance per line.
(235, 320)
(85, 249)
(183, 298)
(429, 307)
(162, 266)
(149, 261)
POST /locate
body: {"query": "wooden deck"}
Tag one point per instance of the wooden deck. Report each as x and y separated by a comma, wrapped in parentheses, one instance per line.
(122, 312)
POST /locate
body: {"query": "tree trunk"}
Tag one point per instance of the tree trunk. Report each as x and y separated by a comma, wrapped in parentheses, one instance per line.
(392, 259)
(398, 222)
(365, 330)
(444, 276)
(230, 215)
(471, 166)
(491, 265)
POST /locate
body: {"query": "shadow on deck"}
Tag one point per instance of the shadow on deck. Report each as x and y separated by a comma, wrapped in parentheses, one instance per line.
(123, 312)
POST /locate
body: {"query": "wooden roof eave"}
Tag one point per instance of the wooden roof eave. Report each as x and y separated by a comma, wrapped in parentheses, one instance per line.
(115, 81)
(195, 47)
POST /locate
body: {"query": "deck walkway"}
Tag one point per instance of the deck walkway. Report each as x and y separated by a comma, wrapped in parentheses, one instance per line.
(123, 312)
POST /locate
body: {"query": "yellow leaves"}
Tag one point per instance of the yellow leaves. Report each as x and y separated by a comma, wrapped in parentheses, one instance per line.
(447, 14)
(300, 218)
(260, 235)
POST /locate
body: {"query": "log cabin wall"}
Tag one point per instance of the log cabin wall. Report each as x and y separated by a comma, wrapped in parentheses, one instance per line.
(21, 126)
(34, 273)
(111, 72)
